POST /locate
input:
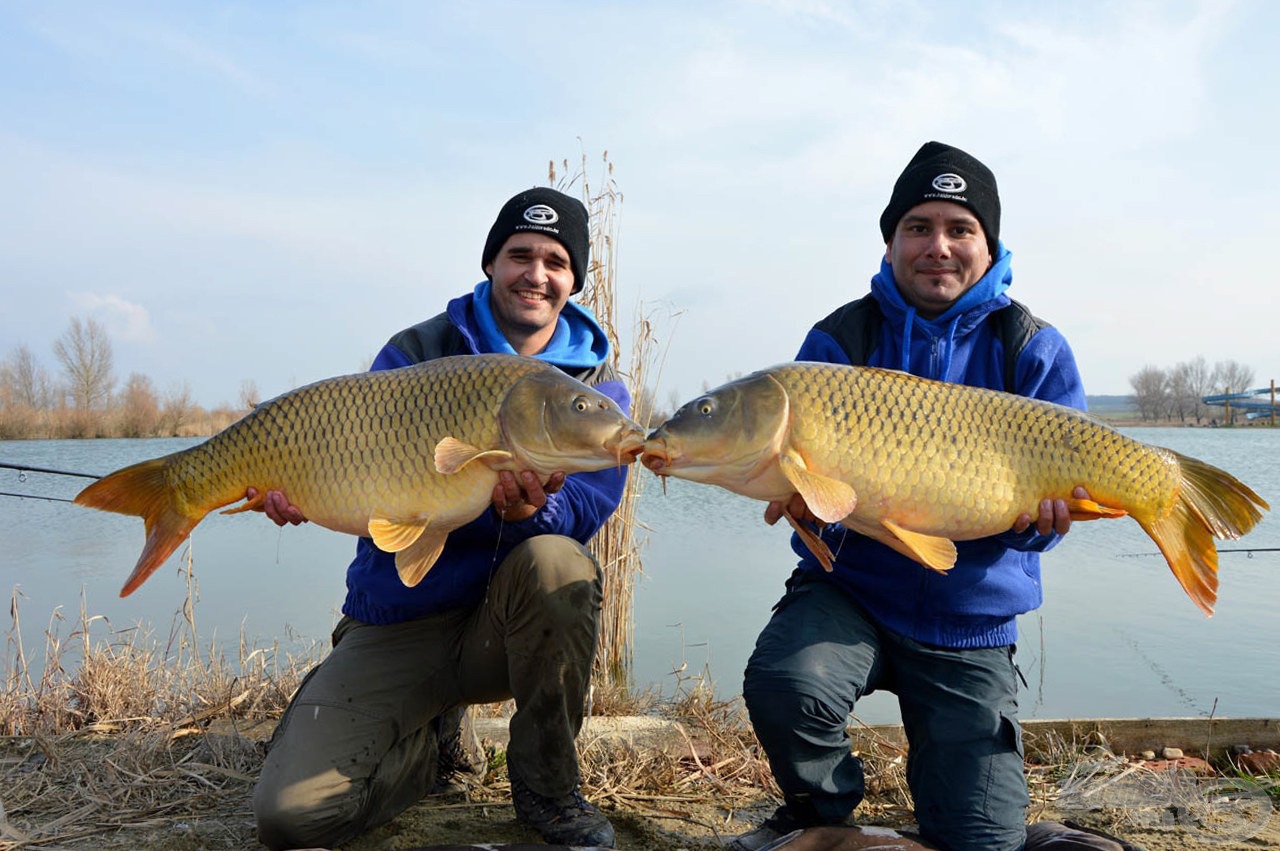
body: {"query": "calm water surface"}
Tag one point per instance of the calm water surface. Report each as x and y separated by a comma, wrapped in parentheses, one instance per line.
(1116, 636)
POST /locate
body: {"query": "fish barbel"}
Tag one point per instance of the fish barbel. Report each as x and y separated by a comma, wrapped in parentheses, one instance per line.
(917, 464)
(403, 456)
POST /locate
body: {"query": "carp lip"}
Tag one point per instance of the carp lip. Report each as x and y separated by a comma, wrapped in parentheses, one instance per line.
(655, 456)
(629, 446)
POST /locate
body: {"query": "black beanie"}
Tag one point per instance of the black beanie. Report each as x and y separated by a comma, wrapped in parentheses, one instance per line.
(940, 172)
(548, 211)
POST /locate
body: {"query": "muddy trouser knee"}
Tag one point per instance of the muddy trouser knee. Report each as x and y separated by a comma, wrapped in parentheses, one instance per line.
(353, 750)
(811, 663)
(965, 761)
(357, 746)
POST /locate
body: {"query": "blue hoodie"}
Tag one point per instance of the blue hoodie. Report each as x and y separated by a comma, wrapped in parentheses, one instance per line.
(995, 579)
(458, 579)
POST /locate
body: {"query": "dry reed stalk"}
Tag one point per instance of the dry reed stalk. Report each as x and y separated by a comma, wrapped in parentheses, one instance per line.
(615, 546)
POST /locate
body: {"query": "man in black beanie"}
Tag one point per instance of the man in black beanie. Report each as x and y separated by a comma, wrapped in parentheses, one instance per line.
(509, 610)
(943, 644)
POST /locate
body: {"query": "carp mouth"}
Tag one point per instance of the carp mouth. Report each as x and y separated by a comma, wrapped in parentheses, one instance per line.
(628, 446)
(655, 456)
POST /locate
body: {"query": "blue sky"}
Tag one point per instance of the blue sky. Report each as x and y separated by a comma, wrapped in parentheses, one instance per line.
(267, 191)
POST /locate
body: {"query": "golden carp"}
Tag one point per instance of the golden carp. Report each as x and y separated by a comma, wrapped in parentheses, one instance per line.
(404, 456)
(917, 464)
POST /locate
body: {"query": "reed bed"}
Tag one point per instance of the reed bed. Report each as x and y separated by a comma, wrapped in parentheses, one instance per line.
(118, 729)
(124, 738)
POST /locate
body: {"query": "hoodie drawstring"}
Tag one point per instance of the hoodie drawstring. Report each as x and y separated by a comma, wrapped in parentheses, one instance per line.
(907, 327)
(950, 350)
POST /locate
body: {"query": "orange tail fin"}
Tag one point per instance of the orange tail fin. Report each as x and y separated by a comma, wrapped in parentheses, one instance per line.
(142, 490)
(1211, 503)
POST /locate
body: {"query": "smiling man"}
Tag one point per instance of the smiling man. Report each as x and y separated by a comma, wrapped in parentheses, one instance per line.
(510, 609)
(943, 644)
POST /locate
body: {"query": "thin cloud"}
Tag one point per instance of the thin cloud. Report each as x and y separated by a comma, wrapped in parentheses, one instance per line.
(124, 320)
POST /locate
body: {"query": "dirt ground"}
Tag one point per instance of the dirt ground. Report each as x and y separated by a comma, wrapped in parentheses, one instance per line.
(650, 825)
(207, 806)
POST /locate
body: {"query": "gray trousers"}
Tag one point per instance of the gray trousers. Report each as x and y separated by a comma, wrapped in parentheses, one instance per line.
(820, 653)
(357, 746)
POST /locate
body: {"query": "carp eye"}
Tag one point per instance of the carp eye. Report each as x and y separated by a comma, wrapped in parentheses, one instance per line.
(581, 404)
(706, 407)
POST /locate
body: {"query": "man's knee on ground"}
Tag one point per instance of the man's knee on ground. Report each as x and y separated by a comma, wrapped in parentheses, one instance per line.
(289, 817)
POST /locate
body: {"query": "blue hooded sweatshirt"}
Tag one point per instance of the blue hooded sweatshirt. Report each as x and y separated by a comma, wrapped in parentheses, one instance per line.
(458, 579)
(997, 578)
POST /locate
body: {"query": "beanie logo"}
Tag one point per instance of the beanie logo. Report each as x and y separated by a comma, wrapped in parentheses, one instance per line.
(950, 183)
(541, 214)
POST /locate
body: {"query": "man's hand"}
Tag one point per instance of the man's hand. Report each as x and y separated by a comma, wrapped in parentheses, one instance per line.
(1054, 515)
(795, 506)
(278, 507)
(518, 496)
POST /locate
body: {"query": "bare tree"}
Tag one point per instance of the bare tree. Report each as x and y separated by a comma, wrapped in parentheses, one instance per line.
(250, 397)
(1150, 391)
(177, 409)
(1181, 400)
(139, 408)
(1199, 379)
(84, 351)
(1231, 377)
(23, 382)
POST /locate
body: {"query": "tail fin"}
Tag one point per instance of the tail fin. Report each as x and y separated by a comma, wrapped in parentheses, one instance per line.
(142, 490)
(1211, 503)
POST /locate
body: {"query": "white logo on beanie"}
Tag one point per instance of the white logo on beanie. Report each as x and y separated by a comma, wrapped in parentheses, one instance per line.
(950, 183)
(541, 214)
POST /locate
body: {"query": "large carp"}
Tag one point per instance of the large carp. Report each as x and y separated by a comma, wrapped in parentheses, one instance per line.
(404, 456)
(917, 464)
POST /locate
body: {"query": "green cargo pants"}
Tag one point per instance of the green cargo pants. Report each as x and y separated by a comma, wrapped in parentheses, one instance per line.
(356, 746)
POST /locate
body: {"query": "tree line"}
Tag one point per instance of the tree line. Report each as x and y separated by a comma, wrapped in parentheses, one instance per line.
(1174, 394)
(85, 399)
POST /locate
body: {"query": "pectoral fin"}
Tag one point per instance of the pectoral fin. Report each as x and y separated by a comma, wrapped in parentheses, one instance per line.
(830, 499)
(452, 455)
(933, 552)
(392, 536)
(413, 563)
(255, 504)
(816, 545)
(1087, 509)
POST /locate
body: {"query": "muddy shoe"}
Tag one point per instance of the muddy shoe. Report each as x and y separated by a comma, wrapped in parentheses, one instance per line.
(570, 820)
(1070, 836)
(781, 823)
(461, 758)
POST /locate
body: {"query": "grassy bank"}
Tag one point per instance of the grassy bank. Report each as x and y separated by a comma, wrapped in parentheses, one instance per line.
(129, 737)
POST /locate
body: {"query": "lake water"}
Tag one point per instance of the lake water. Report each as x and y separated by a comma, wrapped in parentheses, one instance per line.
(1116, 636)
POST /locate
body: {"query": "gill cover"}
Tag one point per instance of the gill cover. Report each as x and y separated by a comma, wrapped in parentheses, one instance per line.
(734, 430)
(548, 418)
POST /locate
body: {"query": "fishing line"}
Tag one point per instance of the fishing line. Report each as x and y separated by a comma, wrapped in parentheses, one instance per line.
(1249, 550)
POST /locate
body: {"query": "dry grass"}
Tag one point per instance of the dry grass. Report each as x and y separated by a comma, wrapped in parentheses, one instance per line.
(112, 730)
(122, 739)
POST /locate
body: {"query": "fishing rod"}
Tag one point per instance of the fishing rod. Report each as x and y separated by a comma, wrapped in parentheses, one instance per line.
(23, 469)
(33, 496)
(27, 468)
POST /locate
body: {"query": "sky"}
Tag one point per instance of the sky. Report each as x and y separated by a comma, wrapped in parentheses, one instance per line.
(265, 192)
